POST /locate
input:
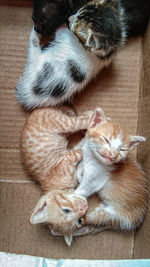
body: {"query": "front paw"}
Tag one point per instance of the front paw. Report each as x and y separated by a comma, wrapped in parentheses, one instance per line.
(35, 37)
(55, 233)
(79, 172)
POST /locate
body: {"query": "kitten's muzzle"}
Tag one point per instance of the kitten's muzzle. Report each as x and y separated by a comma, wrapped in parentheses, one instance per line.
(111, 155)
(71, 19)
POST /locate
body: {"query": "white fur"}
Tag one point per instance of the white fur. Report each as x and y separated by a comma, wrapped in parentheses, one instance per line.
(95, 174)
(66, 46)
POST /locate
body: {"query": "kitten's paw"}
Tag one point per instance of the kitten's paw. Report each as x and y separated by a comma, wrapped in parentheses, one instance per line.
(79, 172)
(55, 233)
(35, 38)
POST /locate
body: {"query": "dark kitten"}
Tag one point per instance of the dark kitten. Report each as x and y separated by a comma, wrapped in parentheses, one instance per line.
(49, 14)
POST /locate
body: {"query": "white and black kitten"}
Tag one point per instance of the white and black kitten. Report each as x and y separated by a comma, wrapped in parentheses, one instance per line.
(53, 74)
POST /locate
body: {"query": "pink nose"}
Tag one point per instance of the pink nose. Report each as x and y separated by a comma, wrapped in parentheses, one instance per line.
(113, 154)
(81, 207)
(81, 211)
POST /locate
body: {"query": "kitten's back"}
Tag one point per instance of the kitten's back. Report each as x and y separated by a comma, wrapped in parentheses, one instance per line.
(41, 145)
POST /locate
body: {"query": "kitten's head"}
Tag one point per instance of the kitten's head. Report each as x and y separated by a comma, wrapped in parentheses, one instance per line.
(100, 26)
(108, 141)
(63, 212)
(49, 14)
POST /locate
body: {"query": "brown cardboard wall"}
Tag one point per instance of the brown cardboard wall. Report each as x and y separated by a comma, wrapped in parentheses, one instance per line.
(142, 238)
(116, 90)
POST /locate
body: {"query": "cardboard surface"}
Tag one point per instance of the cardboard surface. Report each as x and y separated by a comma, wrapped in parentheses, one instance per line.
(142, 238)
(117, 90)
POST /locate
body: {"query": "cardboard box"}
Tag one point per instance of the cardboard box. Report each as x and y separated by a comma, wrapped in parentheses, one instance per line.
(122, 90)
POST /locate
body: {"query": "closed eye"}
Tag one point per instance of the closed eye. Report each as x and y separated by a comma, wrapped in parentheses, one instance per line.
(123, 149)
(43, 21)
(106, 140)
(66, 210)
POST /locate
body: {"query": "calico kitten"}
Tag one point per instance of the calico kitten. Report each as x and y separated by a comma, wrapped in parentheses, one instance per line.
(107, 170)
(45, 154)
(101, 26)
(52, 75)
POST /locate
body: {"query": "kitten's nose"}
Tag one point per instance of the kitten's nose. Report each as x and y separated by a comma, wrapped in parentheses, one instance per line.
(81, 207)
(113, 154)
(72, 18)
(81, 211)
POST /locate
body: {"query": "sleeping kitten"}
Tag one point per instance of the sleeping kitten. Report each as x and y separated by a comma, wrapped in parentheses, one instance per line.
(106, 169)
(53, 74)
(45, 154)
(49, 14)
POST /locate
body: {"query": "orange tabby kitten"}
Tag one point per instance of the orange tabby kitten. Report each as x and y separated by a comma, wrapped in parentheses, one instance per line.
(46, 156)
(118, 180)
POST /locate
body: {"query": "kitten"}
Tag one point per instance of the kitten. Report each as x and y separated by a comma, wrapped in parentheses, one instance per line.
(54, 74)
(49, 14)
(101, 26)
(45, 154)
(107, 170)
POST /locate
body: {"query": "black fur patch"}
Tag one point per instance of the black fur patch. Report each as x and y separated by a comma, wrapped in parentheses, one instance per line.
(59, 90)
(46, 73)
(76, 73)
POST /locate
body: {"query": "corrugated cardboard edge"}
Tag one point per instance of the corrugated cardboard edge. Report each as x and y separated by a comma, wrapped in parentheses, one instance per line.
(142, 236)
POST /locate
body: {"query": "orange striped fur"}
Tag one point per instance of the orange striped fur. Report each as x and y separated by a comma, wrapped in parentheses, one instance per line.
(45, 154)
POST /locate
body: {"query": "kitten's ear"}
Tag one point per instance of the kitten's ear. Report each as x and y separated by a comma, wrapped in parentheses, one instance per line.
(98, 117)
(135, 140)
(40, 214)
(92, 41)
(68, 239)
